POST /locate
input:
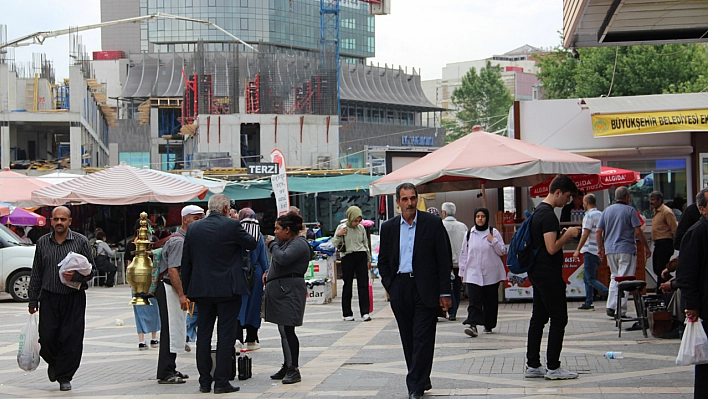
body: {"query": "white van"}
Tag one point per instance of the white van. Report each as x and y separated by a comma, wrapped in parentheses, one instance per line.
(15, 265)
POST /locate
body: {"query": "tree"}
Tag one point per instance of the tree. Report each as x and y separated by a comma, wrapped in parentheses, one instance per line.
(481, 100)
(624, 71)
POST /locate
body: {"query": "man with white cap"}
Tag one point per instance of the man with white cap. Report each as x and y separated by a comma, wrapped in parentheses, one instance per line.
(173, 302)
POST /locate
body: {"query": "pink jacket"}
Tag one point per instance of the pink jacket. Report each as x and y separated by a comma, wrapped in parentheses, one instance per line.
(480, 261)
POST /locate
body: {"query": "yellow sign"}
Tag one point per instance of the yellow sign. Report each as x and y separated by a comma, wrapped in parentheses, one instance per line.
(650, 122)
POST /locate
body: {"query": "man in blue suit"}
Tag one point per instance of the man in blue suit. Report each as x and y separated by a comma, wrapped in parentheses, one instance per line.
(414, 265)
(213, 277)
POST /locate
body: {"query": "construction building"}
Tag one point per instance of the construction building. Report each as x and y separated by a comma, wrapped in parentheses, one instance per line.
(46, 124)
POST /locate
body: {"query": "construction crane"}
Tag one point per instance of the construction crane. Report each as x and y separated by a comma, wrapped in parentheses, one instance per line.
(40, 37)
(330, 36)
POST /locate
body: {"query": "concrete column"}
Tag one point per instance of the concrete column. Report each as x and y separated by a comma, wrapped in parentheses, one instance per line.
(113, 156)
(155, 139)
(75, 138)
(5, 145)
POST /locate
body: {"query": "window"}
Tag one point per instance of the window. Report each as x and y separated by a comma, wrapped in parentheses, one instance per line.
(135, 159)
(665, 175)
(244, 23)
(244, 3)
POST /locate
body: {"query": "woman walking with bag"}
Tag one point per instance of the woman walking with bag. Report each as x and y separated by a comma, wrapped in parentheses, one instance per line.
(481, 269)
(285, 290)
(352, 242)
(250, 315)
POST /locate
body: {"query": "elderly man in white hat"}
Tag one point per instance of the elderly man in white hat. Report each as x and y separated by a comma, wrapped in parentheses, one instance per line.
(173, 302)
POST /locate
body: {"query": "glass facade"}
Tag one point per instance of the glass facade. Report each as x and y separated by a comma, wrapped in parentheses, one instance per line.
(285, 23)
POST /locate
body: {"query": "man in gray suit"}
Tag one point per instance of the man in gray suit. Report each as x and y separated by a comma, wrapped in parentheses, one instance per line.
(213, 278)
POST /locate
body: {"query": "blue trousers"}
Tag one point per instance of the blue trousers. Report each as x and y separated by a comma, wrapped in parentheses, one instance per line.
(592, 262)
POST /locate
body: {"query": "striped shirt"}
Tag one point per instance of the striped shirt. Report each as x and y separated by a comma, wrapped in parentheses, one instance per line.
(45, 270)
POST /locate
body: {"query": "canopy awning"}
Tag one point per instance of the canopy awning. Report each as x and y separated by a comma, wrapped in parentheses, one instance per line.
(120, 185)
(481, 160)
(299, 184)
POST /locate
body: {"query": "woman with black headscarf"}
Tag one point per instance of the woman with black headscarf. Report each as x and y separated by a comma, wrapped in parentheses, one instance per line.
(481, 269)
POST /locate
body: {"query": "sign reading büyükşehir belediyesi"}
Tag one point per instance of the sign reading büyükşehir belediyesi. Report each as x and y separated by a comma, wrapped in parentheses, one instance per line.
(650, 122)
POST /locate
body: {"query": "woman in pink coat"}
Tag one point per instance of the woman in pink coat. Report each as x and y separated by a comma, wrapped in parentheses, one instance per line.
(481, 270)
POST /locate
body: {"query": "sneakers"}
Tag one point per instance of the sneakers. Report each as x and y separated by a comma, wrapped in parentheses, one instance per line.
(560, 374)
(585, 306)
(610, 312)
(280, 374)
(292, 376)
(142, 346)
(471, 331)
(154, 343)
(253, 346)
(487, 330)
(366, 317)
(535, 372)
(348, 318)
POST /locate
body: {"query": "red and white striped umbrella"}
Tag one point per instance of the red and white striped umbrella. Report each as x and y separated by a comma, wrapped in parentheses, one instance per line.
(120, 185)
(608, 177)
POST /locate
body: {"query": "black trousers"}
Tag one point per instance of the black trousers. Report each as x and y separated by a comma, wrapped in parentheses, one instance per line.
(166, 361)
(700, 384)
(456, 293)
(62, 320)
(663, 249)
(226, 309)
(549, 302)
(484, 305)
(416, 326)
(355, 264)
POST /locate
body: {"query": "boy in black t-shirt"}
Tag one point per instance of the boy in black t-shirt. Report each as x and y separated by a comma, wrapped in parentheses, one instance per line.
(548, 285)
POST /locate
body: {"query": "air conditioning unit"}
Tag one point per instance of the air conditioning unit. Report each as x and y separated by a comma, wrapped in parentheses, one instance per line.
(321, 160)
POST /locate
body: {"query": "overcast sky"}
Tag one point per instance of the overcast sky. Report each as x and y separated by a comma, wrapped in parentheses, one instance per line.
(424, 34)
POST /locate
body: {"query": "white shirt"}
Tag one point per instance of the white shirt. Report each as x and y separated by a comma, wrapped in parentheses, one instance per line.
(480, 261)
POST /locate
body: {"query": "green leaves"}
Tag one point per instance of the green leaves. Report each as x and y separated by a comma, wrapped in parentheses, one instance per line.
(482, 99)
(640, 70)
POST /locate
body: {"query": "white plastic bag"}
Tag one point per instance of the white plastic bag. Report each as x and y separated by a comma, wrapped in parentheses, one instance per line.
(28, 351)
(77, 262)
(694, 345)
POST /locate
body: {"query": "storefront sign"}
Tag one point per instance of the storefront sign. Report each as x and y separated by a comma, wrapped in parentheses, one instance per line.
(280, 183)
(650, 122)
(428, 141)
(263, 169)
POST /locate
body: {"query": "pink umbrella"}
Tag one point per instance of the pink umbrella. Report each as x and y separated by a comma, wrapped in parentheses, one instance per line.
(22, 217)
(121, 185)
(485, 160)
(16, 189)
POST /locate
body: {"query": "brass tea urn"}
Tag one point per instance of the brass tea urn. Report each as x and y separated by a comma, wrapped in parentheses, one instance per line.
(139, 272)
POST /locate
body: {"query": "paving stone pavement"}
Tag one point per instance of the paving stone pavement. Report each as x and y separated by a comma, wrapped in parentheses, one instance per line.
(362, 360)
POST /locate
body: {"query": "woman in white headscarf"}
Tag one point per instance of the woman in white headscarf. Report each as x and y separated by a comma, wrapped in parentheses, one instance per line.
(481, 269)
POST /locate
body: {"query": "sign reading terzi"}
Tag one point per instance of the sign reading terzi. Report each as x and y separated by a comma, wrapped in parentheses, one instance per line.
(650, 122)
(428, 141)
(264, 169)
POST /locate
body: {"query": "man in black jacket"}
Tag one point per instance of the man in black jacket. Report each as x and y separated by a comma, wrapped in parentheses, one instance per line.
(213, 278)
(692, 279)
(414, 265)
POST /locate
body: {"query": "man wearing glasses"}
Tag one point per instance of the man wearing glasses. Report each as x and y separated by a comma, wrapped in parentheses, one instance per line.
(62, 312)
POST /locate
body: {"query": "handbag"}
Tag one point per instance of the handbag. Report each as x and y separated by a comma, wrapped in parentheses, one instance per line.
(248, 268)
(342, 247)
(694, 345)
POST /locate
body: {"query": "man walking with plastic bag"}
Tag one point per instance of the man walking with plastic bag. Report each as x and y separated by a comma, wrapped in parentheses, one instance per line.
(62, 309)
(693, 281)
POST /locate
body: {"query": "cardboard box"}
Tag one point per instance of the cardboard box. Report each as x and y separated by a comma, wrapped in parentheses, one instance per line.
(319, 294)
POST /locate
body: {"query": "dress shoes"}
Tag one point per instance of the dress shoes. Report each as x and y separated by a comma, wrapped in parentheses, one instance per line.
(415, 395)
(65, 386)
(204, 389)
(227, 389)
(428, 387)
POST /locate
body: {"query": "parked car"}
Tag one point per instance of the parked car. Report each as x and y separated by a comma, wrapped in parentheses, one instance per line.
(15, 265)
